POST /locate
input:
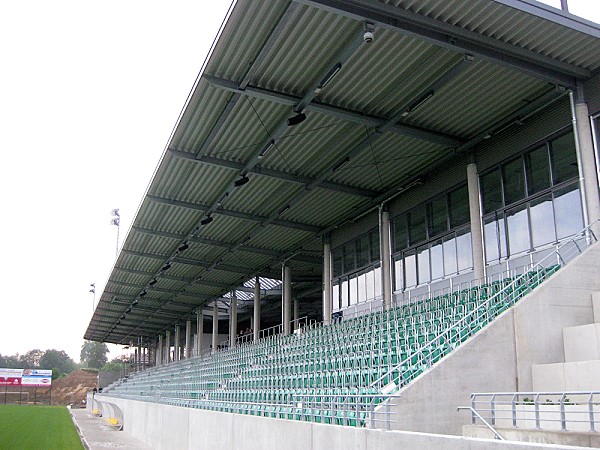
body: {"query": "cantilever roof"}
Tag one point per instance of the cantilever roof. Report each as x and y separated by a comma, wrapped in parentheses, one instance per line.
(437, 79)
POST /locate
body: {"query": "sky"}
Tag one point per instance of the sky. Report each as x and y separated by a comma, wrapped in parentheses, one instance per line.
(89, 94)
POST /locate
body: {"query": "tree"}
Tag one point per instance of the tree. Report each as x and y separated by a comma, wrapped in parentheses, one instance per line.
(57, 359)
(31, 359)
(10, 362)
(93, 354)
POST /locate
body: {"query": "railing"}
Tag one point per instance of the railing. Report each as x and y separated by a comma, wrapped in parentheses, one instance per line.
(475, 414)
(468, 325)
(566, 411)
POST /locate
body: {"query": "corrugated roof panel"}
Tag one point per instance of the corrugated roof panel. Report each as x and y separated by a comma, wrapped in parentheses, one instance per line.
(376, 167)
(477, 99)
(278, 238)
(193, 182)
(138, 241)
(222, 276)
(262, 196)
(168, 218)
(225, 228)
(203, 252)
(251, 261)
(322, 207)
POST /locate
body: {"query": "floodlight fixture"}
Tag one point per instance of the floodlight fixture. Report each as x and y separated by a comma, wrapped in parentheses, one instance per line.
(182, 248)
(167, 266)
(153, 282)
(206, 221)
(325, 81)
(143, 294)
(267, 149)
(340, 164)
(242, 181)
(297, 119)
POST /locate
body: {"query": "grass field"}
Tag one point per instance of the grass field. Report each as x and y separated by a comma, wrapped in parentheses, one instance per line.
(24, 427)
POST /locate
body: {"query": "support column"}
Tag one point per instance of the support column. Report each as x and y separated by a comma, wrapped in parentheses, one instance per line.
(168, 347)
(475, 220)
(586, 159)
(177, 343)
(386, 257)
(256, 324)
(159, 351)
(199, 332)
(233, 320)
(327, 282)
(296, 314)
(188, 339)
(215, 329)
(287, 299)
(135, 359)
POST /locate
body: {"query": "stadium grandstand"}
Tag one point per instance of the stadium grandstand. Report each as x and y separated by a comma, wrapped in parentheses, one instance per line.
(369, 214)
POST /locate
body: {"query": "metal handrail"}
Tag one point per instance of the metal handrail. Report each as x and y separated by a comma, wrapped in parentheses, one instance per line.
(486, 423)
(588, 403)
(587, 232)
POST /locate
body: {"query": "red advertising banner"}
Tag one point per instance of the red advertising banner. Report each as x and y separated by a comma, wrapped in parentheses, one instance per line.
(26, 377)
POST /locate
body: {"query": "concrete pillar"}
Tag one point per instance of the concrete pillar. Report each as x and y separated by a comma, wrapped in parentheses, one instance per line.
(287, 300)
(327, 283)
(386, 258)
(296, 313)
(256, 318)
(159, 351)
(168, 347)
(135, 359)
(188, 339)
(177, 343)
(586, 160)
(233, 320)
(200, 334)
(215, 329)
(475, 219)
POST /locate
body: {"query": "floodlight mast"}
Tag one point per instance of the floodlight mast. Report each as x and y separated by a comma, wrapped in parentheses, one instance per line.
(116, 220)
(93, 291)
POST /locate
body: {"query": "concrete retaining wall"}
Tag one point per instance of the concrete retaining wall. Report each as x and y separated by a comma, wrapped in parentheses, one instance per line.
(169, 427)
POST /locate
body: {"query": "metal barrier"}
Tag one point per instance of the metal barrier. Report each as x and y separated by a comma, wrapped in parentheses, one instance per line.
(565, 411)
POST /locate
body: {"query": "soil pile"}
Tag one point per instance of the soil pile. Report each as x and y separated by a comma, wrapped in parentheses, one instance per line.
(73, 388)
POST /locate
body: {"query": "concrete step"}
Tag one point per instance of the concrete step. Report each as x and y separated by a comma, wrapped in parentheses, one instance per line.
(582, 343)
(596, 306)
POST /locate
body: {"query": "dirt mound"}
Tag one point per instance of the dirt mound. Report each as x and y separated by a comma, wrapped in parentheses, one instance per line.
(73, 388)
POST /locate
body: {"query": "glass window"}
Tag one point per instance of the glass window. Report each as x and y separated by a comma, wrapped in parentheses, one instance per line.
(344, 293)
(459, 207)
(494, 236)
(362, 287)
(564, 158)
(398, 274)
(450, 262)
(437, 215)
(400, 233)
(417, 230)
(370, 284)
(375, 253)
(349, 260)
(542, 221)
(335, 297)
(514, 181)
(353, 290)
(410, 268)
(423, 263)
(338, 262)
(464, 255)
(537, 165)
(518, 230)
(491, 191)
(377, 278)
(567, 210)
(362, 251)
(437, 260)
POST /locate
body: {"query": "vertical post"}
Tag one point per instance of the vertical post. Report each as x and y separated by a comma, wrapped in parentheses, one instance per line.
(167, 358)
(159, 352)
(188, 339)
(177, 343)
(586, 158)
(296, 313)
(256, 325)
(200, 332)
(385, 256)
(215, 327)
(287, 299)
(233, 320)
(327, 282)
(475, 219)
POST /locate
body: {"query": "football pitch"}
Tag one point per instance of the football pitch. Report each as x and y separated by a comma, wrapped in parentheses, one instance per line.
(34, 427)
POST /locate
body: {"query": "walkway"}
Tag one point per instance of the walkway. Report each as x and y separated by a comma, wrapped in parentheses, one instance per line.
(98, 435)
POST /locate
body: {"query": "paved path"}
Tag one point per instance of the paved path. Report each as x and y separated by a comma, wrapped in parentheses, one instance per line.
(98, 435)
